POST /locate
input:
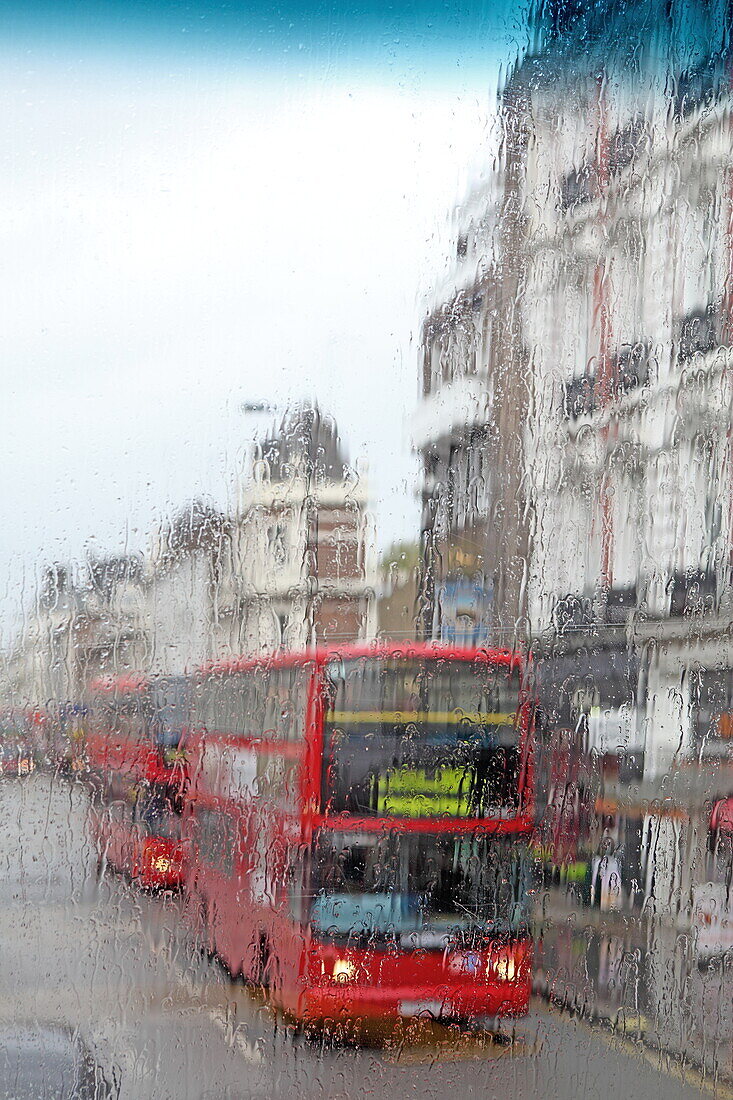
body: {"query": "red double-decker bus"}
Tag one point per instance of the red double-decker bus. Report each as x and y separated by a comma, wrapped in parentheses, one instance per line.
(134, 746)
(356, 828)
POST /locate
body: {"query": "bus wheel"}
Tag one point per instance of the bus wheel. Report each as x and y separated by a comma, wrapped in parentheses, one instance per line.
(207, 930)
(261, 969)
(198, 920)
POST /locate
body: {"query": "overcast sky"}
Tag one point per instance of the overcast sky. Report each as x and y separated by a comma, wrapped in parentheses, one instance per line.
(184, 231)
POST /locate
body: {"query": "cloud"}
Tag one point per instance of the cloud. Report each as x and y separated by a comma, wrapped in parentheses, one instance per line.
(179, 243)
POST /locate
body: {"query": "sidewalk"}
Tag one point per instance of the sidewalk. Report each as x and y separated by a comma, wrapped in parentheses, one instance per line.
(612, 968)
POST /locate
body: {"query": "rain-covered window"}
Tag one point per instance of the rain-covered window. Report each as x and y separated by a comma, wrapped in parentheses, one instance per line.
(366, 645)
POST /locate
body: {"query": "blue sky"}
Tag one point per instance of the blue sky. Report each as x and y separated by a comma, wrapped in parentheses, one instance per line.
(444, 32)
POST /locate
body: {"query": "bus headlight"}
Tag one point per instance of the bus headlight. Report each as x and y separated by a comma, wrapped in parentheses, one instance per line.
(502, 967)
(343, 971)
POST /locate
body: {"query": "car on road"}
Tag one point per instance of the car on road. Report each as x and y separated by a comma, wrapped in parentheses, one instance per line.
(16, 759)
(49, 1063)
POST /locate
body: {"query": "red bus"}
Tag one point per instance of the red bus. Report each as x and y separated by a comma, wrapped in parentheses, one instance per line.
(136, 731)
(357, 824)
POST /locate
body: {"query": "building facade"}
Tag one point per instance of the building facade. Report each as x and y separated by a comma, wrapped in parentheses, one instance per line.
(399, 609)
(87, 621)
(183, 592)
(468, 431)
(300, 568)
(624, 225)
(292, 567)
(611, 274)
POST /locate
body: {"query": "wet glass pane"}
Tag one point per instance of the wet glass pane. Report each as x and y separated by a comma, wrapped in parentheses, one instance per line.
(366, 617)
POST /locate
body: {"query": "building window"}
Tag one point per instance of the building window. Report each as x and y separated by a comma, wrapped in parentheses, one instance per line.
(697, 333)
(627, 143)
(712, 710)
(579, 398)
(276, 543)
(578, 186)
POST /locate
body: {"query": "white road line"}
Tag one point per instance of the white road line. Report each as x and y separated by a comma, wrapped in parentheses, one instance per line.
(248, 1050)
(219, 1018)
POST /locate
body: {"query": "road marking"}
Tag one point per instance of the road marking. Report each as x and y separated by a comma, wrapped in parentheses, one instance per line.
(687, 1074)
(249, 1051)
(220, 1017)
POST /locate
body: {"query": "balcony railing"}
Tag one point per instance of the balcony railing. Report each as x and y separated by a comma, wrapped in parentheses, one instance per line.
(630, 368)
(627, 143)
(578, 187)
(618, 605)
(572, 612)
(699, 87)
(577, 612)
(629, 372)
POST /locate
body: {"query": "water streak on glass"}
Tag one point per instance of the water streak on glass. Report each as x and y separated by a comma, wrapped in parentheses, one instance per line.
(366, 626)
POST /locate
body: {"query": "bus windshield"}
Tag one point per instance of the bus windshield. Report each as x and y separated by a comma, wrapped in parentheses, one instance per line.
(422, 738)
(423, 890)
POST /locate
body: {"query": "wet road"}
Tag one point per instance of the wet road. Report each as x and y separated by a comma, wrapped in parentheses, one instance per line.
(165, 1022)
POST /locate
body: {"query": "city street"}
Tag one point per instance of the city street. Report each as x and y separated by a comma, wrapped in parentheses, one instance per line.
(366, 624)
(163, 1022)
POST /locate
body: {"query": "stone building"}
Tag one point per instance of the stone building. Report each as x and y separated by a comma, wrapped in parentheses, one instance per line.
(398, 593)
(468, 430)
(300, 569)
(183, 605)
(614, 206)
